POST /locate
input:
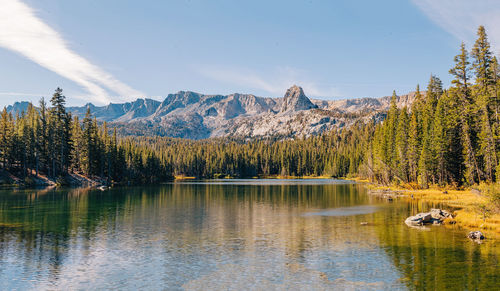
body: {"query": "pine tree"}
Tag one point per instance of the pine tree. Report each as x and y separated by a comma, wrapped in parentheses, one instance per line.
(414, 137)
(482, 57)
(487, 147)
(402, 146)
(30, 131)
(43, 140)
(6, 132)
(390, 134)
(440, 144)
(78, 144)
(484, 69)
(461, 74)
(496, 107)
(61, 132)
(495, 71)
(88, 144)
(426, 162)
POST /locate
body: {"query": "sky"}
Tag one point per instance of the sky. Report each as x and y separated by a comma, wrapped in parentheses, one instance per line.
(120, 50)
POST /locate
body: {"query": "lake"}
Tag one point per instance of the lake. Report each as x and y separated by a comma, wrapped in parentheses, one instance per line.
(232, 235)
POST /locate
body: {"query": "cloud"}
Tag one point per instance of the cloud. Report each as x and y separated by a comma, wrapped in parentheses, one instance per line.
(20, 94)
(23, 32)
(283, 79)
(461, 18)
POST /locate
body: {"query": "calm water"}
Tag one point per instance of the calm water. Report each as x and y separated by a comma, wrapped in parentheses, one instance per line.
(237, 234)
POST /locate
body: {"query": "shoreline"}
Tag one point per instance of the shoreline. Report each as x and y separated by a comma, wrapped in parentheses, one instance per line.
(227, 177)
(469, 207)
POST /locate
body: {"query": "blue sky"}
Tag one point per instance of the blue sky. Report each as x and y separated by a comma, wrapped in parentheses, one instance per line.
(118, 50)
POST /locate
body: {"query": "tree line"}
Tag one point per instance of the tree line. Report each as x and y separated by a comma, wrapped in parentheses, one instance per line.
(336, 153)
(49, 141)
(448, 136)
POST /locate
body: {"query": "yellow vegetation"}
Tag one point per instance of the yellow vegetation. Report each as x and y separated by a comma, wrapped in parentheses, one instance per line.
(182, 177)
(357, 179)
(475, 208)
(295, 177)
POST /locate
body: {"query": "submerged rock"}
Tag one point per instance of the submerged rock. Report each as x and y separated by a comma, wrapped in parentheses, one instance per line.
(435, 216)
(476, 235)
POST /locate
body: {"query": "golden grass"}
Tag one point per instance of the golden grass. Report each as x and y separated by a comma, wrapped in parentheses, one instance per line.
(357, 179)
(294, 177)
(182, 177)
(476, 220)
(474, 210)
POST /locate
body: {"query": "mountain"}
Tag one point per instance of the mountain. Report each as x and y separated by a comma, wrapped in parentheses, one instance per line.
(295, 100)
(18, 107)
(123, 112)
(192, 115)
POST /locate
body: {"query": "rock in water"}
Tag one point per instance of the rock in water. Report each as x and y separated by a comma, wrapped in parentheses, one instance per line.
(476, 235)
(435, 216)
(440, 214)
(419, 219)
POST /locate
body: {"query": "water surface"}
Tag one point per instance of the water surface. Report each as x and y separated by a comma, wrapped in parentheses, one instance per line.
(232, 234)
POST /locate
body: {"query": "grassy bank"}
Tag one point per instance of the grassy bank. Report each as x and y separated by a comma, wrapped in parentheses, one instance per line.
(475, 208)
(182, 177)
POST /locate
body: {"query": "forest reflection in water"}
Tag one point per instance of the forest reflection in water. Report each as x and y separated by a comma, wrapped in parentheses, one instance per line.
(188, 235)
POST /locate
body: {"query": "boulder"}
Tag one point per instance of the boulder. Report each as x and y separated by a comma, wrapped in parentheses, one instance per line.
(435, 216)
(419, 219)
(476, 235)
(439, 214)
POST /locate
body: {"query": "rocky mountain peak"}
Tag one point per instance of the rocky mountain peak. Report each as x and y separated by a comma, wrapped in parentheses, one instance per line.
(193, 115)
(295, 100)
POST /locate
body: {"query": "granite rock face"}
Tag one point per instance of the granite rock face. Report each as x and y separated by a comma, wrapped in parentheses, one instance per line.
(295, 100)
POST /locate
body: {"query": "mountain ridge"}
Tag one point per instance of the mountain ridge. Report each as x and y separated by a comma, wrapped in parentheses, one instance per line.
(188, 114)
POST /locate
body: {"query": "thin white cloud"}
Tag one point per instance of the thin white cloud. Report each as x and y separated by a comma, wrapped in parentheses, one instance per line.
(277, 85)
(23, 32)
(461, 18)
(20, 94)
